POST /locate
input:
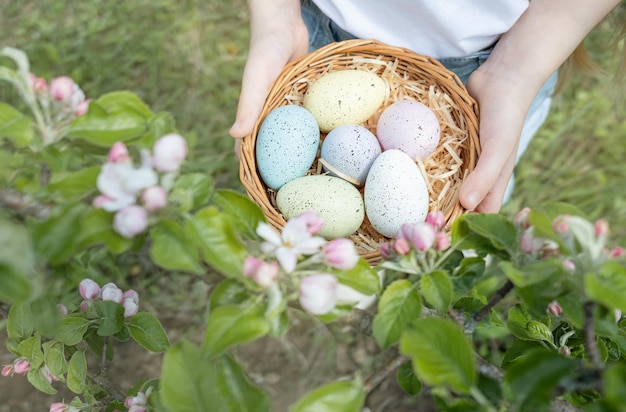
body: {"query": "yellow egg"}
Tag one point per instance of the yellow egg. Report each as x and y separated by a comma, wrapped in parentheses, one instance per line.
(344, 97)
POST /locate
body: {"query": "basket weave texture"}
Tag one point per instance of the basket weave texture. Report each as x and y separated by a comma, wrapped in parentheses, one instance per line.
(408, 76)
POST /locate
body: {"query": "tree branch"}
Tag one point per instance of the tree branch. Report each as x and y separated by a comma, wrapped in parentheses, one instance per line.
(590, 338)
(380, 374)
(24, 204)
(500, 294)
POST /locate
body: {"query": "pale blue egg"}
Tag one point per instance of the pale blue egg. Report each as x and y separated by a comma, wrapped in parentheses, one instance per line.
(286, 145)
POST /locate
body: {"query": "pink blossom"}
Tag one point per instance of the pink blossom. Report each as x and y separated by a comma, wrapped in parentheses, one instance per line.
(141, 399)
(529, 243)
(38, 84)
(137, 408)
(401, 247)
(130, 221)
(617, 252)
(421, 235)
(118, 153)
(131, 294)
(436, 219)
(111, 183)
(82, 107)
(569, 265)
(7, 371)
(62, 88)
(88, 289)
(21, 366)
(58, 407)
(318, 293)
(294, 242)
(560, 225)
(314, 222)
(111, 292)
(169, 152)
(555, 308)
(442, 241)
(154, 198)
(263, 273)
(47, 374)
(385, 250)
(565, 351)
(341, 254)
(62, 309)
(521, 219)
(131, 307)
(601, 228)
(84, 305)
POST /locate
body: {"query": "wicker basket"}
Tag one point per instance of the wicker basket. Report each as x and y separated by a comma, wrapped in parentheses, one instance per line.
(408, 76)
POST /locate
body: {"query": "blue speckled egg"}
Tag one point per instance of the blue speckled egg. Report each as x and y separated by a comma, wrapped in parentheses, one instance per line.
(348, 151)
(286, 145)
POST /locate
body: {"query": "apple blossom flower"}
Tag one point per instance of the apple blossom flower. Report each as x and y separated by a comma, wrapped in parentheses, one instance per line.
(118, 153)
(61, 88)
(318, 293)
(442, 241)
(131, 294)
(131, 307)
(82, 107)
(421, 235)
(130, 221)
(601, 228)
(555, 308)
(169, 152)
(386, 250)
(111, 292)
(560, 224)
(617, 252)
(7, 370)
(401, 247)
(341, 254)
(21, 366)
(294, 242)
(521, 219)
(529, 243)
(436, 219)
(88, 289)
(62, 309)
(569, 265)
(263, 273)
(154, 198)
(58, 407)
(38, 84)
(314, 222)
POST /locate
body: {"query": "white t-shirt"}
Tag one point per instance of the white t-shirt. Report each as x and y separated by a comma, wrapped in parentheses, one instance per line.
(436, 28)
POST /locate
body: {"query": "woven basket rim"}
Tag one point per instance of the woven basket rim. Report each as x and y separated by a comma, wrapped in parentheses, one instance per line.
(315, 61)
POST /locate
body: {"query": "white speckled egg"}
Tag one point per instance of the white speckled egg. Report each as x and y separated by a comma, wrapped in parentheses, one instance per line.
(338, 202)
(286, 145)
(343, 97)
(348, 151)
(410, 126)
(395, 192)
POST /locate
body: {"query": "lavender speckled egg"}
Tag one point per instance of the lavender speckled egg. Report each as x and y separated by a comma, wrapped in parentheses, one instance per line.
(343, 97)
(338, 202)
(348, 151)
(286, 145)
(410, 126)
(395, 192)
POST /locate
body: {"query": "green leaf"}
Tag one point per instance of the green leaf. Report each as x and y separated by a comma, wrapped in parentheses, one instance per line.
(110, 317)
(116, 116)
(146, 330)
(46, 315)
(534, 273)
(15, 126)
(407, 380)
(97, 228)
(191, 191)
(31, 349)
(246, 215)
(192, 383)
(77, 372)
(519, 349)
(54, 357)
(20, 322)
(72, 330)
(608, 286)
(437, 290)
(342, 396)
(524, 327)
(19, 57)
(218, 242)
(17, 263)
(399, 304)
(362, 278)
(529, 381)
(37, 379)
(614, 379)
(441, 353)
(231, 325)
(76, 185)
(170, 248)
(485, 233)
(228, 292)
(55, 238)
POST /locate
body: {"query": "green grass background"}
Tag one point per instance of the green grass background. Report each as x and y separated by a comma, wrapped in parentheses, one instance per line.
(186, 57)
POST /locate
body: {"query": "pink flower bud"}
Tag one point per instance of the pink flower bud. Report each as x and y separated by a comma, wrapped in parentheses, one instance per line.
(314, 222)
(88, 289)
(442, 241)
(401, 247)
(555, 308)
(318, 293)
(7, 371)
(21, 366)
(154, 197)
(341, 254)
(61, 88)
(263, 273)
(169, 152)
(84, 305)
(529, 243)
(131, 307)
(436, 219)
(569, 265)
(617, 252)
(137, 408)
(138, 400)
(130, 221)
(62, 309)
(131, 294)
(45, 372)
(82, 107)
(118, 153)
(39, 85)
(560, 225)
(385, 250)
(111, 292)
(521, 219)
(601, 227)
(565, 351)
(58, 407)
(422, 236)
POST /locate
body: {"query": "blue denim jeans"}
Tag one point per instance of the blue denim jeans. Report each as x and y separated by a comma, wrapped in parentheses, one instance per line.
(323, 31)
